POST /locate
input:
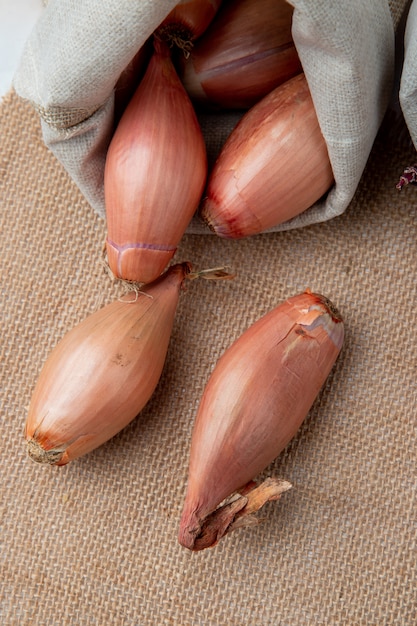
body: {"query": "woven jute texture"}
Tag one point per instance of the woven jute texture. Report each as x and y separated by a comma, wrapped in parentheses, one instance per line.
(95, 542)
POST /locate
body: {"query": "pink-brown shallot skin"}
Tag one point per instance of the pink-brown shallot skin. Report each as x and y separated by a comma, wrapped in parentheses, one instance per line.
(102, 372)
(155, 173)
(273, 166)
(246, 52)
(259, 393)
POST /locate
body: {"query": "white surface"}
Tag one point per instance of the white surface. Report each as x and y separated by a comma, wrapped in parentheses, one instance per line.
(17, 18)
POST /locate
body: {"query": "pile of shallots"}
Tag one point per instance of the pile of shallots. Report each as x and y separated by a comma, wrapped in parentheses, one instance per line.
(238, 54)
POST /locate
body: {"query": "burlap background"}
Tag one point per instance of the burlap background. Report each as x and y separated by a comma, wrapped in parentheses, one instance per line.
(94, 542)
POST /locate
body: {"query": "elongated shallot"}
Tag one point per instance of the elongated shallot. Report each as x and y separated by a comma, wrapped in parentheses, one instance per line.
(273, 166)
(257, 396)
(155, 173)
(102, 372)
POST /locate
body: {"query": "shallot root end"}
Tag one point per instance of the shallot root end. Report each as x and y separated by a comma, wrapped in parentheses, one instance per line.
(40, 455)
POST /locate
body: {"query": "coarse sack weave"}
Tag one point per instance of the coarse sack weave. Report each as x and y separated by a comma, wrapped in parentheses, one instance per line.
(79, 48)
(94, 543)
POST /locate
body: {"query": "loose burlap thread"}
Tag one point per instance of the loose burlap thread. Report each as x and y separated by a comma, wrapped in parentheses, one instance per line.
(95, 542)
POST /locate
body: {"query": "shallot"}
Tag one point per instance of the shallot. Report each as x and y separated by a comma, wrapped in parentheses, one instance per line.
(273, 166)
(103, 372)
(155, 172)
(256, 398)
(247, 51)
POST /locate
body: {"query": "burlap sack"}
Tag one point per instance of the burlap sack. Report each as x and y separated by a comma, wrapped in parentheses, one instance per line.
(94, 543)
(79, 48)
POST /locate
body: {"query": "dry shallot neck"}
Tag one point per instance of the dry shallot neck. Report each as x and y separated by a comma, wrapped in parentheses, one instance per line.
(238, 511)
(176, 36)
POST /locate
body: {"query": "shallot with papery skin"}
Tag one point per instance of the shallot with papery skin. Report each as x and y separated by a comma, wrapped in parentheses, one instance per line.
(273, 166)
(246, 52)
(256, 399)
(103, 372)
(155, 173)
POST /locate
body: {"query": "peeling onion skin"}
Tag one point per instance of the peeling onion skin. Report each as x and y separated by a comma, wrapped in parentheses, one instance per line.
(257, 397)
(155, 173)
(247, 51)
(273, 166)
(102, 372)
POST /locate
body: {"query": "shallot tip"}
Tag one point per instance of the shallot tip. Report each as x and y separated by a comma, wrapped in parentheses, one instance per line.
(235, 512)
(38, 454)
